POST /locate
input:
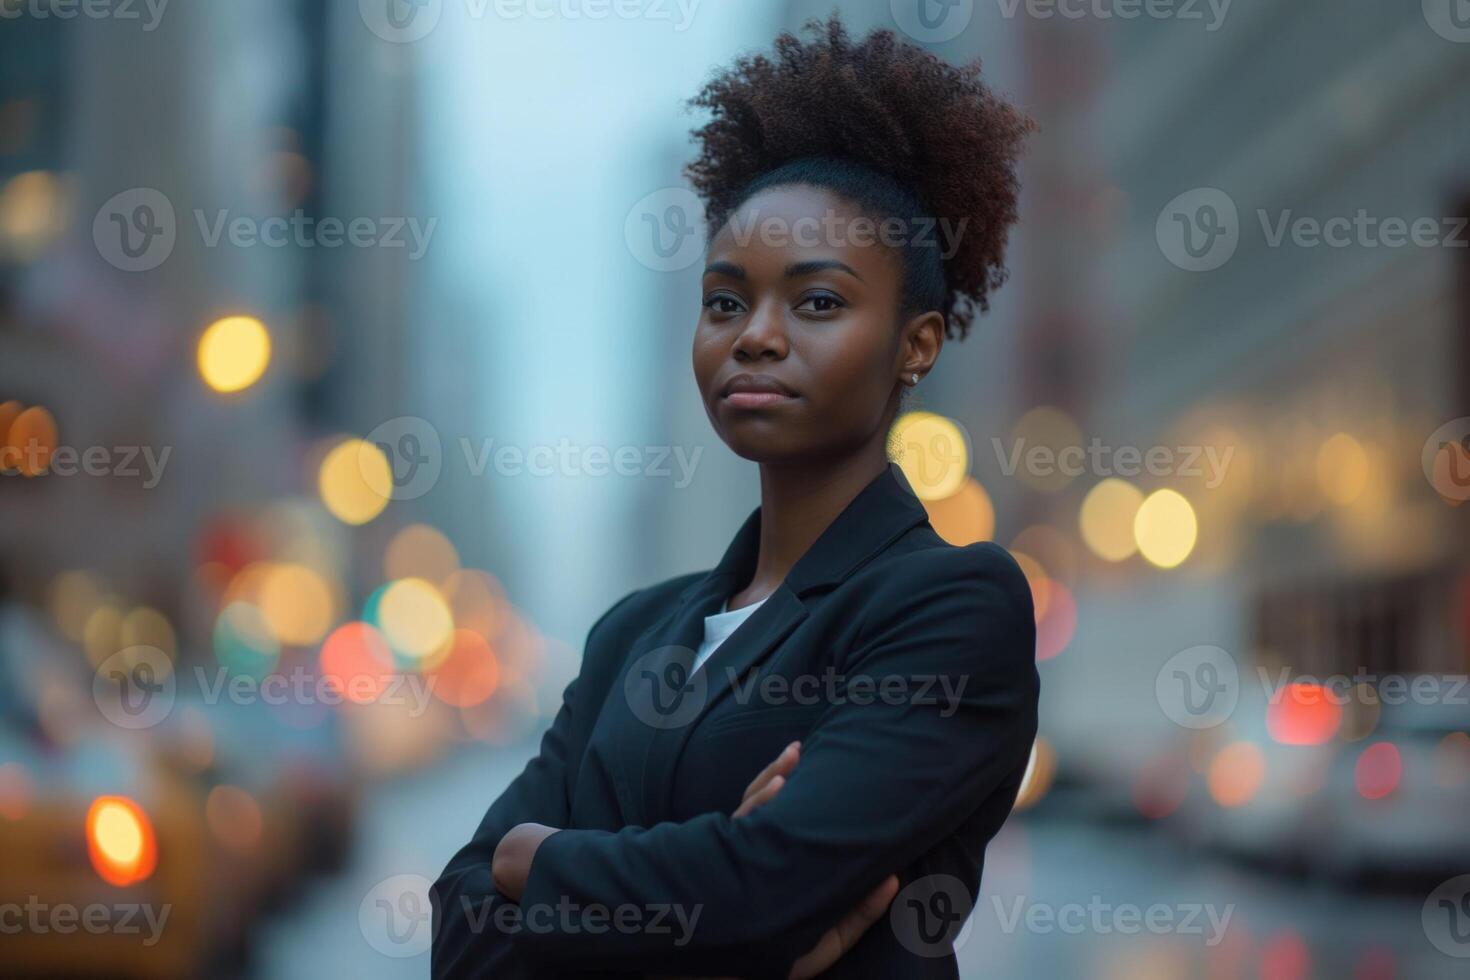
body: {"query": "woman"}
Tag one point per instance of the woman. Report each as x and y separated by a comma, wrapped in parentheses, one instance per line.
(756, 761)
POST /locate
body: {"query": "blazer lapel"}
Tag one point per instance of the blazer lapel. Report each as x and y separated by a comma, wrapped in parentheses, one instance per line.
(885, 509)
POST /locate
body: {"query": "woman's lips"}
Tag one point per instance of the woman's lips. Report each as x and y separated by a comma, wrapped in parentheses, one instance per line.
(757, 399)
(757, 391)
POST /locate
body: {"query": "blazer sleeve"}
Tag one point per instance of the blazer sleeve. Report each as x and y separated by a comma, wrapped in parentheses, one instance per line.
(468, 911)
(881, 780)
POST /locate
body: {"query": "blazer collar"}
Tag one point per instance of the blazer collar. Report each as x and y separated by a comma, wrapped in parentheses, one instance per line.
(879, 514)
(883, 510)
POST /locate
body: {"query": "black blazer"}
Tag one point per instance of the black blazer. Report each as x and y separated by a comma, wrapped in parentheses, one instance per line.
(907, 667)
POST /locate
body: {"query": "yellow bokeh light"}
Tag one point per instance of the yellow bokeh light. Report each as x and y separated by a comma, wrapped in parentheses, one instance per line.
(1165, 528)
(147, 627)
(356, 481)
(965, 516)
(1342, 469)
(420, 551)
(233, 353)
(71, 599)
(415, 619)
(933, 452)
(1107, 516)
(119, 836)
(297, 603)
(32, 213)
(103, 633)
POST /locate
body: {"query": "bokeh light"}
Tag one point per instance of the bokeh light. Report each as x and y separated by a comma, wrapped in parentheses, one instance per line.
(933, 452)
(355, 481)
(1165, 528)
(1378, 770)
(120, 841)
(233, 353)
(243, 641)
(1237, 774)
(414, 618)
(356, 662)
(1342, 468)
(965, 516)
(31, 441)
(1303, 714)
(1106, 519)
(420, 551)
(469, 674)
(297, 604)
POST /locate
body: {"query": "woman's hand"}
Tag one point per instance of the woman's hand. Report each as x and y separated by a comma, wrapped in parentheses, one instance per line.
(510, 866)
(844, 935)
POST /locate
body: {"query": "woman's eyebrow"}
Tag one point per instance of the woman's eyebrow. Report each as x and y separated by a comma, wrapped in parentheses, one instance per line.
(723, 268)
(820, 265)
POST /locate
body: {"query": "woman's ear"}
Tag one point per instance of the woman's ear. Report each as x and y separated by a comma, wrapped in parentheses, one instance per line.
(923, 337)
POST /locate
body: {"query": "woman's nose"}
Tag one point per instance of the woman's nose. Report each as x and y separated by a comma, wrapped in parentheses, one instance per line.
(764, 333)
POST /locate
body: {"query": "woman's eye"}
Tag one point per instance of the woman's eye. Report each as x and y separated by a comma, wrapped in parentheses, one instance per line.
(722, 303)
(821, 303)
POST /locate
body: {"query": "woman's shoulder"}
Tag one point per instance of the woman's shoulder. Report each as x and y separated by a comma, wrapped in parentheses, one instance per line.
(930, 579)
(930, 561)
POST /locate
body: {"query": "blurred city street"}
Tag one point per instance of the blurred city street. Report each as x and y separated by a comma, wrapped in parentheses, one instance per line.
(1061, 898)
(345, 382)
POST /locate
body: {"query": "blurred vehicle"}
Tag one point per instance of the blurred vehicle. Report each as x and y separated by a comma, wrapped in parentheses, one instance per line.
(152, 851)
(1399, 800)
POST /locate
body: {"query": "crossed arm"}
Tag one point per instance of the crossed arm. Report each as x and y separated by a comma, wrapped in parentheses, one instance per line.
(879, 784)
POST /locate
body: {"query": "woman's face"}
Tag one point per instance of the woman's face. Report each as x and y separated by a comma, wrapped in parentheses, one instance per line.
(801, 311)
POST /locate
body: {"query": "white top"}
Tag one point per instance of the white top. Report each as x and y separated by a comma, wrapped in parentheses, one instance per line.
(717, 629)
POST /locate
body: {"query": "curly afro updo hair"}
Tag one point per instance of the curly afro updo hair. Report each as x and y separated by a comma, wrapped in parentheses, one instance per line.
(887, 126)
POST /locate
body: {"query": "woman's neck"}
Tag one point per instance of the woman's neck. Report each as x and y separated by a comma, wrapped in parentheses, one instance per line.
(798, 503)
